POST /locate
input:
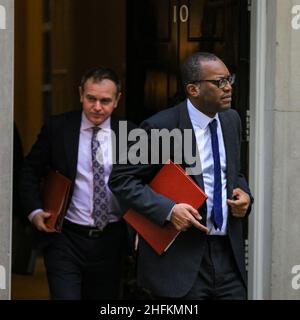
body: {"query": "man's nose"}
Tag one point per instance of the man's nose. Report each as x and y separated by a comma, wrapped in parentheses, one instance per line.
(228, 86)
(98, 105)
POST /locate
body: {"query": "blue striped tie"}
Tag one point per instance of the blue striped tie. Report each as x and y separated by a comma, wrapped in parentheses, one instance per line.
(216, 213)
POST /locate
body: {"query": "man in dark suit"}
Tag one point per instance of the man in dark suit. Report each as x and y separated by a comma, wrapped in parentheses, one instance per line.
(206, 260)
(84, 261)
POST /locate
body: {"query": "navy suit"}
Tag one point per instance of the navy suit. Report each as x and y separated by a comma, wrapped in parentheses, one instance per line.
(174, 273)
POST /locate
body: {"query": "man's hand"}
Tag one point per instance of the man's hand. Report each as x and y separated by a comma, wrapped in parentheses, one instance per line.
(184, 216)
(39, 221)
(240, 204)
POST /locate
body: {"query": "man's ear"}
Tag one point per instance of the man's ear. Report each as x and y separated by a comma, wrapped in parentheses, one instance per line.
(80, 94)
(192, 90)
(118, 99)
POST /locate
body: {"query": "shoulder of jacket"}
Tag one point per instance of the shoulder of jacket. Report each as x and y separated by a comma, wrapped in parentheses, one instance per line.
(66, 116)
(165, 118)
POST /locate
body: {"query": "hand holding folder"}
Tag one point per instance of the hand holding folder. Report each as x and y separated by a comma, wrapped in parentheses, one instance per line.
(172, 182)
(55, 198)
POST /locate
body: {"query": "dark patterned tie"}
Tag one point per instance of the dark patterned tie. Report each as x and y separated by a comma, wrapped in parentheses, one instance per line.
(216, 213)
(100, 196)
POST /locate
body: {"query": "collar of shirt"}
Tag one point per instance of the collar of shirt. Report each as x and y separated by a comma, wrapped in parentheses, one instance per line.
(86, 124)
(198, 118)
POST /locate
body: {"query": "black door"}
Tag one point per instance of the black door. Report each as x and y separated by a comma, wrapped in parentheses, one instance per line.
(161, 33)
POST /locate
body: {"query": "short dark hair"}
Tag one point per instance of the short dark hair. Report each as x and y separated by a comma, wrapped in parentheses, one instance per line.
(100, 73)
(191, 68)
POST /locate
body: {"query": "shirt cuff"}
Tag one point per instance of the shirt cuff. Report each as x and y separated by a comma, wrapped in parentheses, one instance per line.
(170, 214)
(34, 213)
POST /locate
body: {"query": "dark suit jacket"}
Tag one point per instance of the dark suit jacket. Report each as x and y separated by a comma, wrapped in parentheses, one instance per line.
(56, 148)
(174, 273)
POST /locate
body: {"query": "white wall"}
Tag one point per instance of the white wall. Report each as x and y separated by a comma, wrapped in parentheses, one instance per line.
(286, 155)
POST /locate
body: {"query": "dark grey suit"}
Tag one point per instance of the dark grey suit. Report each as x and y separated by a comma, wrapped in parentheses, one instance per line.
(174, 273)
(78, 265)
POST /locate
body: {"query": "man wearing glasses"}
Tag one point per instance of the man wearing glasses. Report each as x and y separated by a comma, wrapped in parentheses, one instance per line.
(207, 260)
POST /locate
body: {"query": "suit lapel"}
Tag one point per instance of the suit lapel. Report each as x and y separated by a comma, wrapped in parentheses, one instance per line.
(185, 123)
(71, 141)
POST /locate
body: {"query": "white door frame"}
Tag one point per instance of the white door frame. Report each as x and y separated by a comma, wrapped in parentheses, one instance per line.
(260, 150)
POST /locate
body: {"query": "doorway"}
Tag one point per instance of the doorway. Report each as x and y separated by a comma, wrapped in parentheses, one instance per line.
(144, 41)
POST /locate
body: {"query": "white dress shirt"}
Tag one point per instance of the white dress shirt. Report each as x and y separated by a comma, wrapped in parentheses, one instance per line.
(80, 210)
(200, 124)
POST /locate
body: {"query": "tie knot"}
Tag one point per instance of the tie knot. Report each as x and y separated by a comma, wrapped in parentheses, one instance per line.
(96, 130)
(213, 125)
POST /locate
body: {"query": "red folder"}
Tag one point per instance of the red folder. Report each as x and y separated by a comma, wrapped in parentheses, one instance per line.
(172, 182)
(55, 198)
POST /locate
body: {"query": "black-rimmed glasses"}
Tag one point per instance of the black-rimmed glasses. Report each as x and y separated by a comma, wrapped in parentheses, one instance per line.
(220, 83)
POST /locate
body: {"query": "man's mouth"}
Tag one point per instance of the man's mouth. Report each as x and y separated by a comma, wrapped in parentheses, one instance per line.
(226, 98)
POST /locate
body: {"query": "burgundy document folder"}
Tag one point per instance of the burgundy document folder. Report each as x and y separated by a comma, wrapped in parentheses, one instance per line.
(172, 182)
(55, 198)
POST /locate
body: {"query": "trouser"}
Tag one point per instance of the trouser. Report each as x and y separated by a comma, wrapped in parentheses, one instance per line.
(218, 277)
(84, 263)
